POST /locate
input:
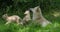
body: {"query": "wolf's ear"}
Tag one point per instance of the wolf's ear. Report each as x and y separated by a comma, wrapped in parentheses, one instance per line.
(37, 9)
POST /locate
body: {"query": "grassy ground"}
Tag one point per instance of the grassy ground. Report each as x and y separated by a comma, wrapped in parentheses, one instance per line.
(55, 27)
(13, 27)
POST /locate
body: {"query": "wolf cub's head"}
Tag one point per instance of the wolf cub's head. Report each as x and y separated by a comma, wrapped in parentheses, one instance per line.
(4, 16)
(27, 12)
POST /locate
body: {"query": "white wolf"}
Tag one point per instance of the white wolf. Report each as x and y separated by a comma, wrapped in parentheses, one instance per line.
(37, 16)
(13, 18)
(26, 17)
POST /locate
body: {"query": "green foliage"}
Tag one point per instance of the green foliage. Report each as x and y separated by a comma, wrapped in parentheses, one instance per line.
(20, 6)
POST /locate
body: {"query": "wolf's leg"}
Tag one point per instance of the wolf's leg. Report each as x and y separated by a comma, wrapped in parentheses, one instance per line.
(8, 22)
(17, 21)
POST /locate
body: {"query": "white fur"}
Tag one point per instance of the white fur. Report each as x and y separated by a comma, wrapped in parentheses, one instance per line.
(12, 18)
(27, 16)
(37, 16)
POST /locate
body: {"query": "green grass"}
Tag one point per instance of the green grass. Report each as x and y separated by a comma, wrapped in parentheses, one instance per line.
(13, 27)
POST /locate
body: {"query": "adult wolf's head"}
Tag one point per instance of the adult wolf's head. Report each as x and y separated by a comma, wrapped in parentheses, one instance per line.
(35, 9)
(36, 12)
